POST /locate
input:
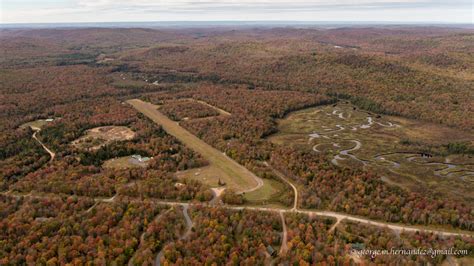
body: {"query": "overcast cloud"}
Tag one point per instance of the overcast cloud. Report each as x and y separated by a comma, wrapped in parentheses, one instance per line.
(28, 11)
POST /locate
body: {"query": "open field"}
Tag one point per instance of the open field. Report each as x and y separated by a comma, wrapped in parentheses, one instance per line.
(123, 80)
(405, 152)
(270, 190)
(233, 174)
(99, 136)
(35, 125)
(125, 162)
(208, 175)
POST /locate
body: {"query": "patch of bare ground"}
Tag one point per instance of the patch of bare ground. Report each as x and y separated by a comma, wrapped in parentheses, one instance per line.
(97, 137)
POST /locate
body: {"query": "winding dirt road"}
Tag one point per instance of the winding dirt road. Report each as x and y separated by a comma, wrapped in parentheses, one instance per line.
(284, 238)
(189, 225)
(52, 154)
(142, 236)
(283, 177)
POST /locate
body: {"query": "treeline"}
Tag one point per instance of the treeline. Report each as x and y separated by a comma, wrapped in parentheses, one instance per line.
(31, 91)
(78, 230)
(459, 148)
(361, 102)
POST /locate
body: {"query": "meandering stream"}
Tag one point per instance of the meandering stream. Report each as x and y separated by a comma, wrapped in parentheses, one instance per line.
(442, 169)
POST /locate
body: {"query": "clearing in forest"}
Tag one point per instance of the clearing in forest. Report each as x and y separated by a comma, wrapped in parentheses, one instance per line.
(233, 174)
(126, 162)
(37, 124)
(208, 175)
(100, 136)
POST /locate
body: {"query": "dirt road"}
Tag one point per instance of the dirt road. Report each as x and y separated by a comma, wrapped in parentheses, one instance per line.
(52, 154)
(221, 111)
(142, 236)
(283, 177)
(336, 215)
(189, 225)
(284, 238)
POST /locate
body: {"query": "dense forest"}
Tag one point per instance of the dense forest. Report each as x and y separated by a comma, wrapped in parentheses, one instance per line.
(417, 73)
(311, 240)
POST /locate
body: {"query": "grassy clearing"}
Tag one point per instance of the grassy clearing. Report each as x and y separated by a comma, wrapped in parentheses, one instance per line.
(37, 124)
(125, 162)
(270, 190)
(124, 80)
(209, 176)
(235, 175)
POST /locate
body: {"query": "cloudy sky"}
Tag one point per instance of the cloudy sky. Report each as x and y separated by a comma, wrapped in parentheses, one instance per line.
(29, 11)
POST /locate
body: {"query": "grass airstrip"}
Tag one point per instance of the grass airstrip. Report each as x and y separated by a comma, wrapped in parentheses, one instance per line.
(234, 175)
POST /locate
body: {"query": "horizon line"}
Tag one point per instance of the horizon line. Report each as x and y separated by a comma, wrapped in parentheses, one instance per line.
(235, 22)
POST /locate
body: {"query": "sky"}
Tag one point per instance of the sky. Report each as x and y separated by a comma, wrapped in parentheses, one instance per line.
(63, 11)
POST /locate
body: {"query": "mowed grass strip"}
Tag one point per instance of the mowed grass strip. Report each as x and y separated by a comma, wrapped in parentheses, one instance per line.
(238, 177)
